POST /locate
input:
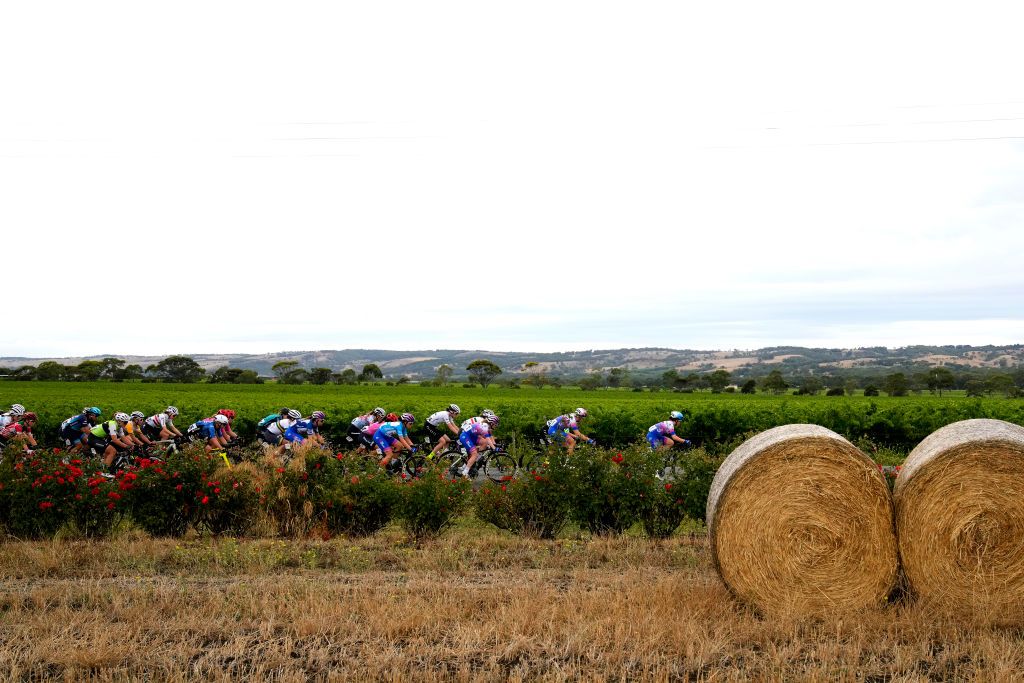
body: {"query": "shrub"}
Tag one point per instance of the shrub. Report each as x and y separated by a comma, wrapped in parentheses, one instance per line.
(663, 509)
(229, 499)
(608, 488)
(430, 504)
(537, 503)
(164, 500)
(361, 502)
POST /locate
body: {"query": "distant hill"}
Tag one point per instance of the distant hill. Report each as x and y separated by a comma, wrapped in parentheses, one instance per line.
(792, 360)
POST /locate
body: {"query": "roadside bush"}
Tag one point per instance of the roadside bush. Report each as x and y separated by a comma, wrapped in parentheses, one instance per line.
(607, 488)
(537, 503)
(360, 502)
(164, 498)
(430, 504)
(229, 499)
(663, 509)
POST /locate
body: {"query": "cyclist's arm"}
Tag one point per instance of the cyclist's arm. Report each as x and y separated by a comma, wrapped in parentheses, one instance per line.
(679, 439)
(122, 441)
(454, 430)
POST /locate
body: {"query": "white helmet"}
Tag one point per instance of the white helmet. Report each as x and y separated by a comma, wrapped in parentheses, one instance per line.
(172, 411)
(122, 417)
(580, 412)
(17, 410)
(293, 414)
(454, 409)
(220, 419)
(379, 412)
(486, 413)
(138, 415)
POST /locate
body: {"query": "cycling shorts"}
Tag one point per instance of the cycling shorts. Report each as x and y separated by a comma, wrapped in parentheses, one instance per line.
(268, 437)
(100, 444)
(70, 436)
(206, 430)
(468, 440)
(383, 441)
(656, 440)
(152, 433)
(435, 433)
(557, 432)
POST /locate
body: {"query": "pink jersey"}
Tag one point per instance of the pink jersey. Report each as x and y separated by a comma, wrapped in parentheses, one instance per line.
(665, 429)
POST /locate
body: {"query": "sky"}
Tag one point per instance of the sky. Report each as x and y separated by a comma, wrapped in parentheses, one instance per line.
(254, 176)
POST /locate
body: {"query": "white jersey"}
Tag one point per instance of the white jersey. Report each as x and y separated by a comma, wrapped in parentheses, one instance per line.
(159, 421)
(441, 417)
(468, 424)
(278, 427)
(6, 419)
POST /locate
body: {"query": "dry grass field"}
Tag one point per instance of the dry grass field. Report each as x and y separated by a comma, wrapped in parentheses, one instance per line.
(476, 604)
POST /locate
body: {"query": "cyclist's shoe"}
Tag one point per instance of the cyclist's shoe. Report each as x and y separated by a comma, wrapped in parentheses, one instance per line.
(464, 472)
(394, 467)
(106, 475)
(660, 474)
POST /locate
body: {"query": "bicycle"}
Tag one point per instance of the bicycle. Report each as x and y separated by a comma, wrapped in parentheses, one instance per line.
(672, 468)
(497, 465)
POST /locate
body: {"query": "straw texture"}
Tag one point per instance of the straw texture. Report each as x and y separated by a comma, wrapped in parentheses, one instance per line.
(959, 502)
(801, 520)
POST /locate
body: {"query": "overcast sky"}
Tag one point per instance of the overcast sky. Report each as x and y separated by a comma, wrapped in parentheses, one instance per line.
(260, 176)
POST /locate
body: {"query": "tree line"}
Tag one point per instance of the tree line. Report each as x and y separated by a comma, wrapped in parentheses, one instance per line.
(484, 372)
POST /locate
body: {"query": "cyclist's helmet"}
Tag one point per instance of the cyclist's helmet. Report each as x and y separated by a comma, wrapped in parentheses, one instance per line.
(293, 414)
(379, 412)
(580, 412)
(319, 415)
(122, 417)
(138, 415)
(227, 412)
(408, 417)
(486, 413)
(220, 419)
(17, 410)
(172, 411)
(29, 416)
(454, 409)
(93, 411)
(491, 419)
(676, 415)
(391, 417)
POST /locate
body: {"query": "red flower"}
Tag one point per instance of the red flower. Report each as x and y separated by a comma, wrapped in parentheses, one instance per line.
(60, 480)
(504, 488)
(45, 505)
(537, 477)
(355, 479)
(339, 456)
(280, 470)
(668, 487)
(78, 496)
(235, 485)
(178, 487)
(114, 496)
(216, 490)
(110, 506)
(56, 450)
(205, 500)
(617, 458)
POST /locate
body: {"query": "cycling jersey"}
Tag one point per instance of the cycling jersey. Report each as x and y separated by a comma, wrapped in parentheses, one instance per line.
(393, 429)
(371, 428)
(441, 417)
(471, 421)
(306, 427)
(107, 430)
(77, 422)
(159, 421)
(473, 432)
(207, 430)
(563, 424)
(663, 429)
(265, 422)
(12, 429)
(6, 419)
(279, 427)
(363, 421)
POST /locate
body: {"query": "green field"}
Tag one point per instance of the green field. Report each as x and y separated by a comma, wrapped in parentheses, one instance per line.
(718, 421)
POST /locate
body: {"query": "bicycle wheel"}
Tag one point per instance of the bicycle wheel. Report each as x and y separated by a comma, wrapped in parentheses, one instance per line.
(500, 467)
(416, 465)
(451, 469)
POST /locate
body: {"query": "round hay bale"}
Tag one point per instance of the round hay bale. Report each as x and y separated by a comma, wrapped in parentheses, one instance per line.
(800, 520)
(959, 501)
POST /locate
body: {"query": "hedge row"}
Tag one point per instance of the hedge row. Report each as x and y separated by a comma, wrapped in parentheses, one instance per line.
(321, 493)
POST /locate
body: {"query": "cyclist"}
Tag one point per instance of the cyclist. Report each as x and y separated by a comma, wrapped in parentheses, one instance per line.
(110, 438)
(228, 435)
(565, 428)
(663, 434)
(361, 422)
(160, 427)
(208, 429)
(440, 420)
(273, 432)
(11, 416)
(308, 428)
(135, 431)
(73, 431)
(23, 428)
(392, 432)
(476, 431)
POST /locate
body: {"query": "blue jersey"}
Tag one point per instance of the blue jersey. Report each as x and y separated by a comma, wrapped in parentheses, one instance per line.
(305, 427)
(77, 423)
(393, 429)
